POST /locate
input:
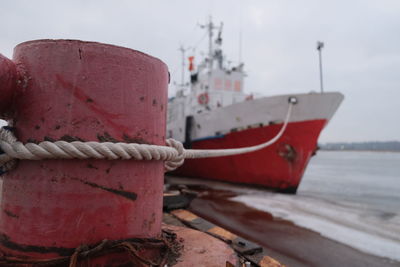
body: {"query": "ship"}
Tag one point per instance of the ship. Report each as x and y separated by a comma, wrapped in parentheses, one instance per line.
(213, 111)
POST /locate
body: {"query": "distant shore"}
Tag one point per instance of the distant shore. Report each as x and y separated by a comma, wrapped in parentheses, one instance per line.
(359, 150)
(379, 146)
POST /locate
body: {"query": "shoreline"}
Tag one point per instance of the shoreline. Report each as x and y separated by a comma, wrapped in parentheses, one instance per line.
(284, 241)
(357, 150)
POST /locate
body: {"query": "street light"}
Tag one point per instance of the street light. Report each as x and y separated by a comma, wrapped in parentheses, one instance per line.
(320, 45)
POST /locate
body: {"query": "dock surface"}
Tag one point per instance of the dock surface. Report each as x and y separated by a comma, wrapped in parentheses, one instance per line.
(288, 243)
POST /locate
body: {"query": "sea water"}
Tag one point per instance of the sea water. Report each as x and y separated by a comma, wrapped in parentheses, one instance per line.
(350, 197)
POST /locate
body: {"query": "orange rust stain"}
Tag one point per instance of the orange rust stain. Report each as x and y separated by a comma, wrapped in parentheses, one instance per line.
(222, 233)
(184, 215)
(269, 262)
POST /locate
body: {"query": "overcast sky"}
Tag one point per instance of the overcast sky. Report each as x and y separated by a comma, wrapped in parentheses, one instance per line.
(361, 57)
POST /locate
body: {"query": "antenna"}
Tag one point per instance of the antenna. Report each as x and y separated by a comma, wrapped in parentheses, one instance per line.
(320, 45)
(210, 27)
(240, 31)
(183, 65)
(240, 46)
(182, 49)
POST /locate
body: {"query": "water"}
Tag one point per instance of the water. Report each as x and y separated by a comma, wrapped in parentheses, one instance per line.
(371, 179)
(350, 197)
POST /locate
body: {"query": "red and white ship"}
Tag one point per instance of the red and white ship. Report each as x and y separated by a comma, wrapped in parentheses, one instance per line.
(214, 112)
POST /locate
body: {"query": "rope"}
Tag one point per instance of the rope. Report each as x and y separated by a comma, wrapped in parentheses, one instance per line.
(173, 154)
(166, 250)
(210, 153)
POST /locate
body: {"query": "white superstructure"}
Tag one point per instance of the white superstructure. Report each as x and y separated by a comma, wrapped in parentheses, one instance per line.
(216, 104)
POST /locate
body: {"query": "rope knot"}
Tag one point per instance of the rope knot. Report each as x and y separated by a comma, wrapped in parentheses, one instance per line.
(7, 163)
(177, 161)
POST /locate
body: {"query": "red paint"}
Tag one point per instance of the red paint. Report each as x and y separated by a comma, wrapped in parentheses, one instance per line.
(203, 99)
(88, 91)
(264, 167)
(8, 81)
(88, 101)
(81, 96)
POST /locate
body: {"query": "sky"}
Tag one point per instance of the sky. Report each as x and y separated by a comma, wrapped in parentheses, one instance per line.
(361, 57)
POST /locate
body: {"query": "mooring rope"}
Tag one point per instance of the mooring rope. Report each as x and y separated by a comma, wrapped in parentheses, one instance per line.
(168, 248)
(173, 154)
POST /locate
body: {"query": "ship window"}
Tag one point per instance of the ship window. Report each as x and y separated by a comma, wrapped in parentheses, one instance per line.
(198, 126)
(237, 86)
(193, 78)
(217, 83)
(228, 85)
(180, 130)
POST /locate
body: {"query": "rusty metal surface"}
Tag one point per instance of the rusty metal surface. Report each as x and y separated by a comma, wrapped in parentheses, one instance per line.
(201, 249)
(247, 249)
(73, 90)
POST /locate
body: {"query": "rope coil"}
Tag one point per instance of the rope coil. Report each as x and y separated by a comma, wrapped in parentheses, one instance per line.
(168, 249)
(173, 154)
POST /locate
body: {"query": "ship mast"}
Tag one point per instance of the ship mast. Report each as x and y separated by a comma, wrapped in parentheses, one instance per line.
(183, 50)
(210, 28)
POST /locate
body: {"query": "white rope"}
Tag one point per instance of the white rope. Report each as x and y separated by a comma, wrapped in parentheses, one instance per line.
(173, 154)
(209, 153)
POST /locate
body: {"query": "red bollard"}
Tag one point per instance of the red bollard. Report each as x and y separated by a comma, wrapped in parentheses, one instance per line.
(8, 78)
(74, 90)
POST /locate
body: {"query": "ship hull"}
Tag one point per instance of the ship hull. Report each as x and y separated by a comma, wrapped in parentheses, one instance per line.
(279, 166)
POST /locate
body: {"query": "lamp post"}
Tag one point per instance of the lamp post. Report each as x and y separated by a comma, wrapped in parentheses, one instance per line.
(320, 45)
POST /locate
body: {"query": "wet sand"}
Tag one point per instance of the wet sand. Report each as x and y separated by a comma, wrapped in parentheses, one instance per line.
(289, 244)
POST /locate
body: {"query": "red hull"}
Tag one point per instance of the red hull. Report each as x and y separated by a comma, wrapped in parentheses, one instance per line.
(279, 166)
